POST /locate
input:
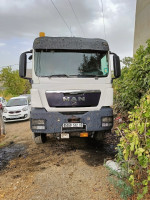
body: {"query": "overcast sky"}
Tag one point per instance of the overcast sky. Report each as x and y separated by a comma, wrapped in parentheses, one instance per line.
(22, 20)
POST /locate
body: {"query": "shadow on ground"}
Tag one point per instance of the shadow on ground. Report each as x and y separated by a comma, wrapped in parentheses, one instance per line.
(10, 152)
(93, 153)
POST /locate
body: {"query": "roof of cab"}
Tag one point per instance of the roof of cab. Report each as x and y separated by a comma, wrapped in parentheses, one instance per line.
(70, 43)
(20, 97)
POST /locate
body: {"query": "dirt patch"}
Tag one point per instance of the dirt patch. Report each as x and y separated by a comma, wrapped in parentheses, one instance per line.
(10, 152)
(57, 170)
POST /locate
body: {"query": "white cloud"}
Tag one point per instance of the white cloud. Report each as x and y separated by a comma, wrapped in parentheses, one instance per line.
(21, 22)
(2, 44)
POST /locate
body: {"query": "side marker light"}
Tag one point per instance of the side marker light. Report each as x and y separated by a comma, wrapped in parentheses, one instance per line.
(85, 134)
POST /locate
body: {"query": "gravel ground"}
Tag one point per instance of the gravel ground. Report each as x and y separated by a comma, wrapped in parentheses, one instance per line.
(57, 170)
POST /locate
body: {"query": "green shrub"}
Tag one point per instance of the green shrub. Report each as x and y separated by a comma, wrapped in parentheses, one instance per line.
(134, 81)
(135, 147)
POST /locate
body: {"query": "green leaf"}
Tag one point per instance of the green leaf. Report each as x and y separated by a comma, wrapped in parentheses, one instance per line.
(145, 190)
(140, 151)
(132, 146)
(145, 182)
(143, 161)
(140, 196)
(131, 179)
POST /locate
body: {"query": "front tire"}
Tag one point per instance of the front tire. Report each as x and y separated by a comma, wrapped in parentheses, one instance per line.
(39, 138)
(99, 136)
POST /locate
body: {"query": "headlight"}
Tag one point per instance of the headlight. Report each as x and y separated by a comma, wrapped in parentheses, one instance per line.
(25, 108)
(5, 110)
(38, 121)
(107, 121)
(38, 124)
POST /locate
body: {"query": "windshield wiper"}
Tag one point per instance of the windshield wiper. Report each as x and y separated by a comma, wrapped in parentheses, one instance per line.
(89, 75)
(12, 105)
(59, 75)
(79, 75)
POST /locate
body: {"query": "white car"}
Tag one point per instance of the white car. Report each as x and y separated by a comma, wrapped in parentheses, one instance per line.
(17, 109)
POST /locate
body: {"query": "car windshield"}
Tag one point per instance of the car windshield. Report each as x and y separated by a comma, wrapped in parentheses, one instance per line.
(17, 102)
(71, 64)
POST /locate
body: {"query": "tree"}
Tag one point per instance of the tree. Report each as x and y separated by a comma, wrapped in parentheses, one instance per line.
(127, 61)
(12, 82)
(134, 81)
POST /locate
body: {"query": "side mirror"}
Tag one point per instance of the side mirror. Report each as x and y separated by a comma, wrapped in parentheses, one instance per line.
(23, 64)
(116, 64)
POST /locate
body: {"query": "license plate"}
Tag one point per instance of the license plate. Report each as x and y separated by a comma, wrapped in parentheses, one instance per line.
(71, 125)
(64, 135)
(14, 116)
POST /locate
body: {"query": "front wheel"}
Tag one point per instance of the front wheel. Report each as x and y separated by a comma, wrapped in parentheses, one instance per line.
(99, 136)
(39, 138)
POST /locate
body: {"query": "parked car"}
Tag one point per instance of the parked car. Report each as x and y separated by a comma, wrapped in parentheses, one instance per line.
(17, 109)
(1, 106)
(26, 95)
(3, 102)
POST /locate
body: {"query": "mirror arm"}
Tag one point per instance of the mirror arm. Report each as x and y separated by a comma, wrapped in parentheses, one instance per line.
(113, 53)
(29, 79)
(28, 51)
(113, 79)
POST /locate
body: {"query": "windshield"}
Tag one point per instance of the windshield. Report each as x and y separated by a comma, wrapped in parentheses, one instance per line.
(17, 102)
(71, 64)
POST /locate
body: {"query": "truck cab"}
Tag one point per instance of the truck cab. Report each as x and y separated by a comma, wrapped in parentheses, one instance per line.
(72, 90)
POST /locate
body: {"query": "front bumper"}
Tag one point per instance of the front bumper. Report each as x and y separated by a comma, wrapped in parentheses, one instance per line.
(16, 117)
(92, 120)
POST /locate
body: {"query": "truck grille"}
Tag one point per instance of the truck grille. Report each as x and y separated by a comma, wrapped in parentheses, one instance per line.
(73, 98)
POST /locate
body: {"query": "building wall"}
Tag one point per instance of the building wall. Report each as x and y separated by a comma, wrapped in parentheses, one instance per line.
(142, 23)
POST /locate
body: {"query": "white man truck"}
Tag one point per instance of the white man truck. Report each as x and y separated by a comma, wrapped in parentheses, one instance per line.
(71, 92)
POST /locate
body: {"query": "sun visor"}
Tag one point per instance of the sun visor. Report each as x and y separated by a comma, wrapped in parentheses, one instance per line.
(70, 43)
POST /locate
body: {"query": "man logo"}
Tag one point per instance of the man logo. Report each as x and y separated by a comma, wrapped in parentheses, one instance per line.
(73, 100)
